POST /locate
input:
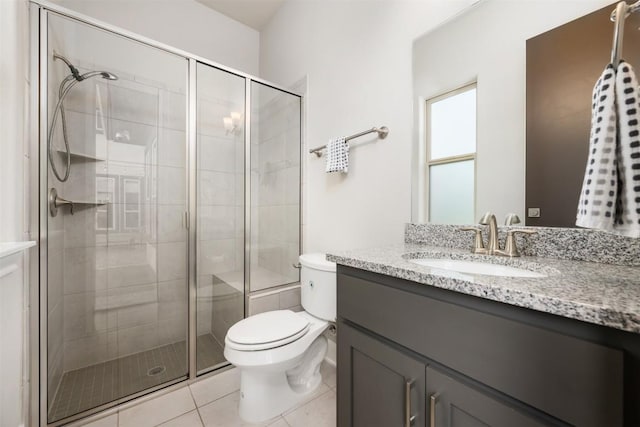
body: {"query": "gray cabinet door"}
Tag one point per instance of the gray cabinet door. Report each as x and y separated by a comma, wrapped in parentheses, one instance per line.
(377, 384)
(458, 405)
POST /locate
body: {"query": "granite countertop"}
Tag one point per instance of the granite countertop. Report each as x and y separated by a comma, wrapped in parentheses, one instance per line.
(602, 294)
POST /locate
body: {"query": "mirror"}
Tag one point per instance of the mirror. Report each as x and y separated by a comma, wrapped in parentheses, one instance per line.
(488, 45)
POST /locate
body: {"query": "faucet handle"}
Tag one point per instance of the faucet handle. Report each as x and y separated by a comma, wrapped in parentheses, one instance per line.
(486, 218)
(56, 202)
(511, 219)
(510, 247)
(478, 244)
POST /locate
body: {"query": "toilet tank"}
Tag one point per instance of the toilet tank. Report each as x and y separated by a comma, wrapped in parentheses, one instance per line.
(318, 286)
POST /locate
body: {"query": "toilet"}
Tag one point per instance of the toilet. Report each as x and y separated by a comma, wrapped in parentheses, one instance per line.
(278, 353)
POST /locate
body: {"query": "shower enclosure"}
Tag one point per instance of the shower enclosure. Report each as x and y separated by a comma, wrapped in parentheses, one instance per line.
(169, 189)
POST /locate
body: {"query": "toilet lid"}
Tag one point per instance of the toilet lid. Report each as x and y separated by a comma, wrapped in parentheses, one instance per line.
(317, 261)
(268, 329)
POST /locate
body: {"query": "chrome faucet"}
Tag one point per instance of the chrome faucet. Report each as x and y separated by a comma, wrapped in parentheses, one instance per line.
(493, 246)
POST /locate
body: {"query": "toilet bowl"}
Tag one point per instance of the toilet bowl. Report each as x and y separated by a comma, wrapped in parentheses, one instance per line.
(278, 353)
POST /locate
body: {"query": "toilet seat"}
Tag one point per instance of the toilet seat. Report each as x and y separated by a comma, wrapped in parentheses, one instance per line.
(267, 330)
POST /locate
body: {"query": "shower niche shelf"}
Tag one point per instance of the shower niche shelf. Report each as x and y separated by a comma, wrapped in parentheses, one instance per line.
(82, 157)
(73, 204)
(56, 202)
(96, 203)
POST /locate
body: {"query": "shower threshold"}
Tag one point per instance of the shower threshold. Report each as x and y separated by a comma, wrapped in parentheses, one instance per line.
(96, 385)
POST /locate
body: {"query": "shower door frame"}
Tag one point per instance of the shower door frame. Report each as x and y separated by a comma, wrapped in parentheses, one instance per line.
(39, 11)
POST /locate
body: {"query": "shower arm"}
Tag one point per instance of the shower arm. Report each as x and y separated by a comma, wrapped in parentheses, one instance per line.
(74, 71)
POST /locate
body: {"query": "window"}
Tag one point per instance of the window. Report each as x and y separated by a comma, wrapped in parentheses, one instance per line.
(131, 205)
(451, 156)
(105, 191)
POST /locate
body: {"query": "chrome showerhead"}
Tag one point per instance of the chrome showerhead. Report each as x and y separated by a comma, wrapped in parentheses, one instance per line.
(104, 74)
(108, 76)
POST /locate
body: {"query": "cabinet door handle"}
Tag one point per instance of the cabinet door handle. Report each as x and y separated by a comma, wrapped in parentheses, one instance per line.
(432, 409)
(408, 417)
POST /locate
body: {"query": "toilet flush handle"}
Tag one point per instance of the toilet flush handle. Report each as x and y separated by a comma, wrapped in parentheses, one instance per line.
(296, 265)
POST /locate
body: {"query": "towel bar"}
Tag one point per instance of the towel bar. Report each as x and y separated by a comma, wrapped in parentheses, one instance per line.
(382, 134)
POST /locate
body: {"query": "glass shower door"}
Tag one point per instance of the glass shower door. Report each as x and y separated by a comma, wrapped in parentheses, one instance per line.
(117, 288)
(220, 211)
(275, 187)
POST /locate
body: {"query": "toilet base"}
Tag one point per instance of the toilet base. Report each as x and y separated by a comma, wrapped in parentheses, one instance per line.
(265, 393)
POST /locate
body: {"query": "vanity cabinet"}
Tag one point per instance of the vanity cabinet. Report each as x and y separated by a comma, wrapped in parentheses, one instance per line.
(484, 363)
(454, 403)
(386, 386)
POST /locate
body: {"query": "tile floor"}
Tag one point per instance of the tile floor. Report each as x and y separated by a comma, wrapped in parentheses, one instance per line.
(213, 402)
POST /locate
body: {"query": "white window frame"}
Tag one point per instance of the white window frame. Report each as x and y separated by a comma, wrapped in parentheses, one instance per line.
(428, 162)
(131, 208)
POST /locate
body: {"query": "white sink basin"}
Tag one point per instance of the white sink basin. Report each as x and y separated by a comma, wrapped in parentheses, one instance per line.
(475, 267)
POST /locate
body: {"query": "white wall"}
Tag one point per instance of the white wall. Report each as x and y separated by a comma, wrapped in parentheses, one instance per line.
(14, 90)
(357, 55)
(487, 44)
(185, 24)
(14, 93)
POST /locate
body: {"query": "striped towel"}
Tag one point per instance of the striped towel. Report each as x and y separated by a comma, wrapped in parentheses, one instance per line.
(627, 220)
(610, 196)
(337, 155)
(596, 208)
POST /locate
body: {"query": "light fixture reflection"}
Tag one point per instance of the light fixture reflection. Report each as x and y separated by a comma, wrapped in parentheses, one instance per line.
(232, 123)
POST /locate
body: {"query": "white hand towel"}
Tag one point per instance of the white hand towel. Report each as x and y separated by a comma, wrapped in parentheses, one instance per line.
(596, 208)
(627, 218)
(337, 155)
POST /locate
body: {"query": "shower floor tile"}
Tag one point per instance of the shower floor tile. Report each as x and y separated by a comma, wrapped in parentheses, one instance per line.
(209, 352)
(105, 382)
